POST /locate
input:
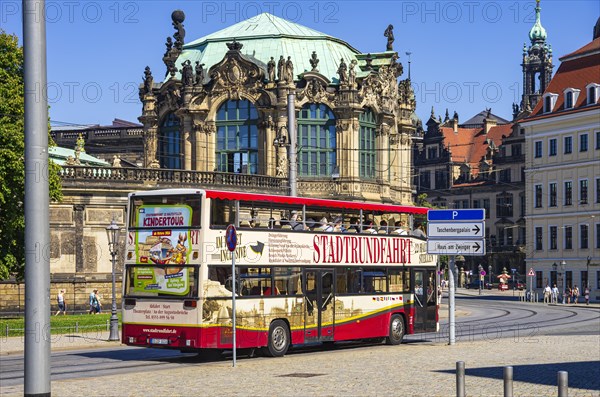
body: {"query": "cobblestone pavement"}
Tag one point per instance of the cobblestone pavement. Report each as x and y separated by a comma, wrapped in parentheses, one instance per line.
(415, 368)
(412, 369)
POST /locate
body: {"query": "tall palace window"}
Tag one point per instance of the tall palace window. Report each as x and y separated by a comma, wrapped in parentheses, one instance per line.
(237, 137)
(169, 143)
(367, 150)
(316, 140)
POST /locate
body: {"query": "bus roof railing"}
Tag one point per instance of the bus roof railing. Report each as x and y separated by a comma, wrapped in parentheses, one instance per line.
(313, 202)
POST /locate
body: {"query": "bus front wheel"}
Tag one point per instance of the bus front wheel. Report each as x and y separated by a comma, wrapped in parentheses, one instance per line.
(279, 338)
(396, 330)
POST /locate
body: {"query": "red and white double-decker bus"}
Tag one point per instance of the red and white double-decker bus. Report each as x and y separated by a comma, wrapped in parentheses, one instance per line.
(307, 270)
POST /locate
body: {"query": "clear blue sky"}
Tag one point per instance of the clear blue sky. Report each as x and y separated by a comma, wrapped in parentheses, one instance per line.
(466, 55)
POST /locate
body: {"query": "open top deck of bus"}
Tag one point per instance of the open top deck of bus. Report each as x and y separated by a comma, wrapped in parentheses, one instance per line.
(250, 197)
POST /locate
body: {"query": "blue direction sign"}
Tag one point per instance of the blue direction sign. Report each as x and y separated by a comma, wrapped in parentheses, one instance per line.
(477, 214)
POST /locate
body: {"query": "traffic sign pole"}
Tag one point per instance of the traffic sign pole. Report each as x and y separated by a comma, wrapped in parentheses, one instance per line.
(531, 274)
(231, 240)
(455, 232)
(451, 284)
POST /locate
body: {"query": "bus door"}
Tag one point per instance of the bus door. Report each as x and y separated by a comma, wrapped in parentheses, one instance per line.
(425, 304)
(319, 305)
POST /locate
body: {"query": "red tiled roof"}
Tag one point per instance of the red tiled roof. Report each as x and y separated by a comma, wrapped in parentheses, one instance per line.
(469, 145)
(573, 73)
(589, 47)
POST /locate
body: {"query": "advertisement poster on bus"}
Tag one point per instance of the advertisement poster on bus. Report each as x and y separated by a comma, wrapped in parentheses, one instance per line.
(163, 239)
(281, 247)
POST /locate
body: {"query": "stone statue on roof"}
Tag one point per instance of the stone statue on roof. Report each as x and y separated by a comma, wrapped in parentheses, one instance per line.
(271, 70)
(199, 73)
(343, 71)
(314, 61)
(389, 33)
(169, 45)
(79, 149)
(187, 74)
(352, 74)
(148, 80)
(178, 17)
(289, 68)
(281, 69)
(515, 110)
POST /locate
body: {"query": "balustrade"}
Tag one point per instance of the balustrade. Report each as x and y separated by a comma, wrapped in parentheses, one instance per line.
(170, 178)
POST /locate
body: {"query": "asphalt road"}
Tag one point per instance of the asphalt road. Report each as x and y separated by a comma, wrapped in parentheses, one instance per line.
(492, 317)
(489, 319)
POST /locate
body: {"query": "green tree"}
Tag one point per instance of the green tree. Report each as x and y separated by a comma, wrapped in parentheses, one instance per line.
(12, 162)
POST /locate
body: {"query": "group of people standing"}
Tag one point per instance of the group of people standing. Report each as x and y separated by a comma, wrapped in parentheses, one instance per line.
(551, 295)
(94, 301)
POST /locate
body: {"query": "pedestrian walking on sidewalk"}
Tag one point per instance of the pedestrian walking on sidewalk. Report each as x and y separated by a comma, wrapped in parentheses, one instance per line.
(575, 294)
(554, 294)
(62, 306)
(547, 294)
(95, 305)
(586, 294)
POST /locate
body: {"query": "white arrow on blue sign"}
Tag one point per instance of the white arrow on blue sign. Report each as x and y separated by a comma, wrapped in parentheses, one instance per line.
(459, 230)
(476, 214)
(456, 247)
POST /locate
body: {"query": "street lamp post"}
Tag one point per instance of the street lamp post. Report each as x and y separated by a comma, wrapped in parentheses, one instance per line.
(554, 267)
(563, 266)
(587, 272)
(112, 232)
(490, 274)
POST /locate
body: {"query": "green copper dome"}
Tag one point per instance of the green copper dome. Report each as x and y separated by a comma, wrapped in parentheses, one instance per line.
(537, 32)
(265, 36)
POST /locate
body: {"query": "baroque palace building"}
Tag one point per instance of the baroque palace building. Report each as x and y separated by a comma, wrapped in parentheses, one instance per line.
(222, 107)
(562, 137)
(218, 119)
(481, 164)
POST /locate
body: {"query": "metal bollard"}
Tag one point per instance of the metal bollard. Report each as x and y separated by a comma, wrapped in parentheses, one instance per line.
(508, 381)
(107, 325)
(563, 383)
(76, 327)
(460, 379)
(7, 330)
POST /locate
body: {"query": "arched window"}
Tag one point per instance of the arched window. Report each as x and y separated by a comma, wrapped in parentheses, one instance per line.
(316, 140)
(237, 137)
(169, 147)
(366, 144)
(548, 104)
(569, 100)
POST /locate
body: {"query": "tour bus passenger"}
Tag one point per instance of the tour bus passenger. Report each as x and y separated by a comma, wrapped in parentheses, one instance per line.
(354, 225)
(369, 228)
(383, 226)
(337, 225)
(419, 231)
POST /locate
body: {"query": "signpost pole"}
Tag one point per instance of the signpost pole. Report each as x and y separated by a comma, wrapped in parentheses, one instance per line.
(233, 304)
(456, 232)
(231, 240)
(451, 265)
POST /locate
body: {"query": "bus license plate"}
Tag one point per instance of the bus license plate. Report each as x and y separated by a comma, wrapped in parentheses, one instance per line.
(158, 341)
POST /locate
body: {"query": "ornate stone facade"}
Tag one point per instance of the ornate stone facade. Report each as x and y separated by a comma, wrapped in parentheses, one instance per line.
(364, 82)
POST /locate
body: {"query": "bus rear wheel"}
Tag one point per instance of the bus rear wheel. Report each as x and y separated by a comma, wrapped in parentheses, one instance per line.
(396, 330)
(279, 339)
